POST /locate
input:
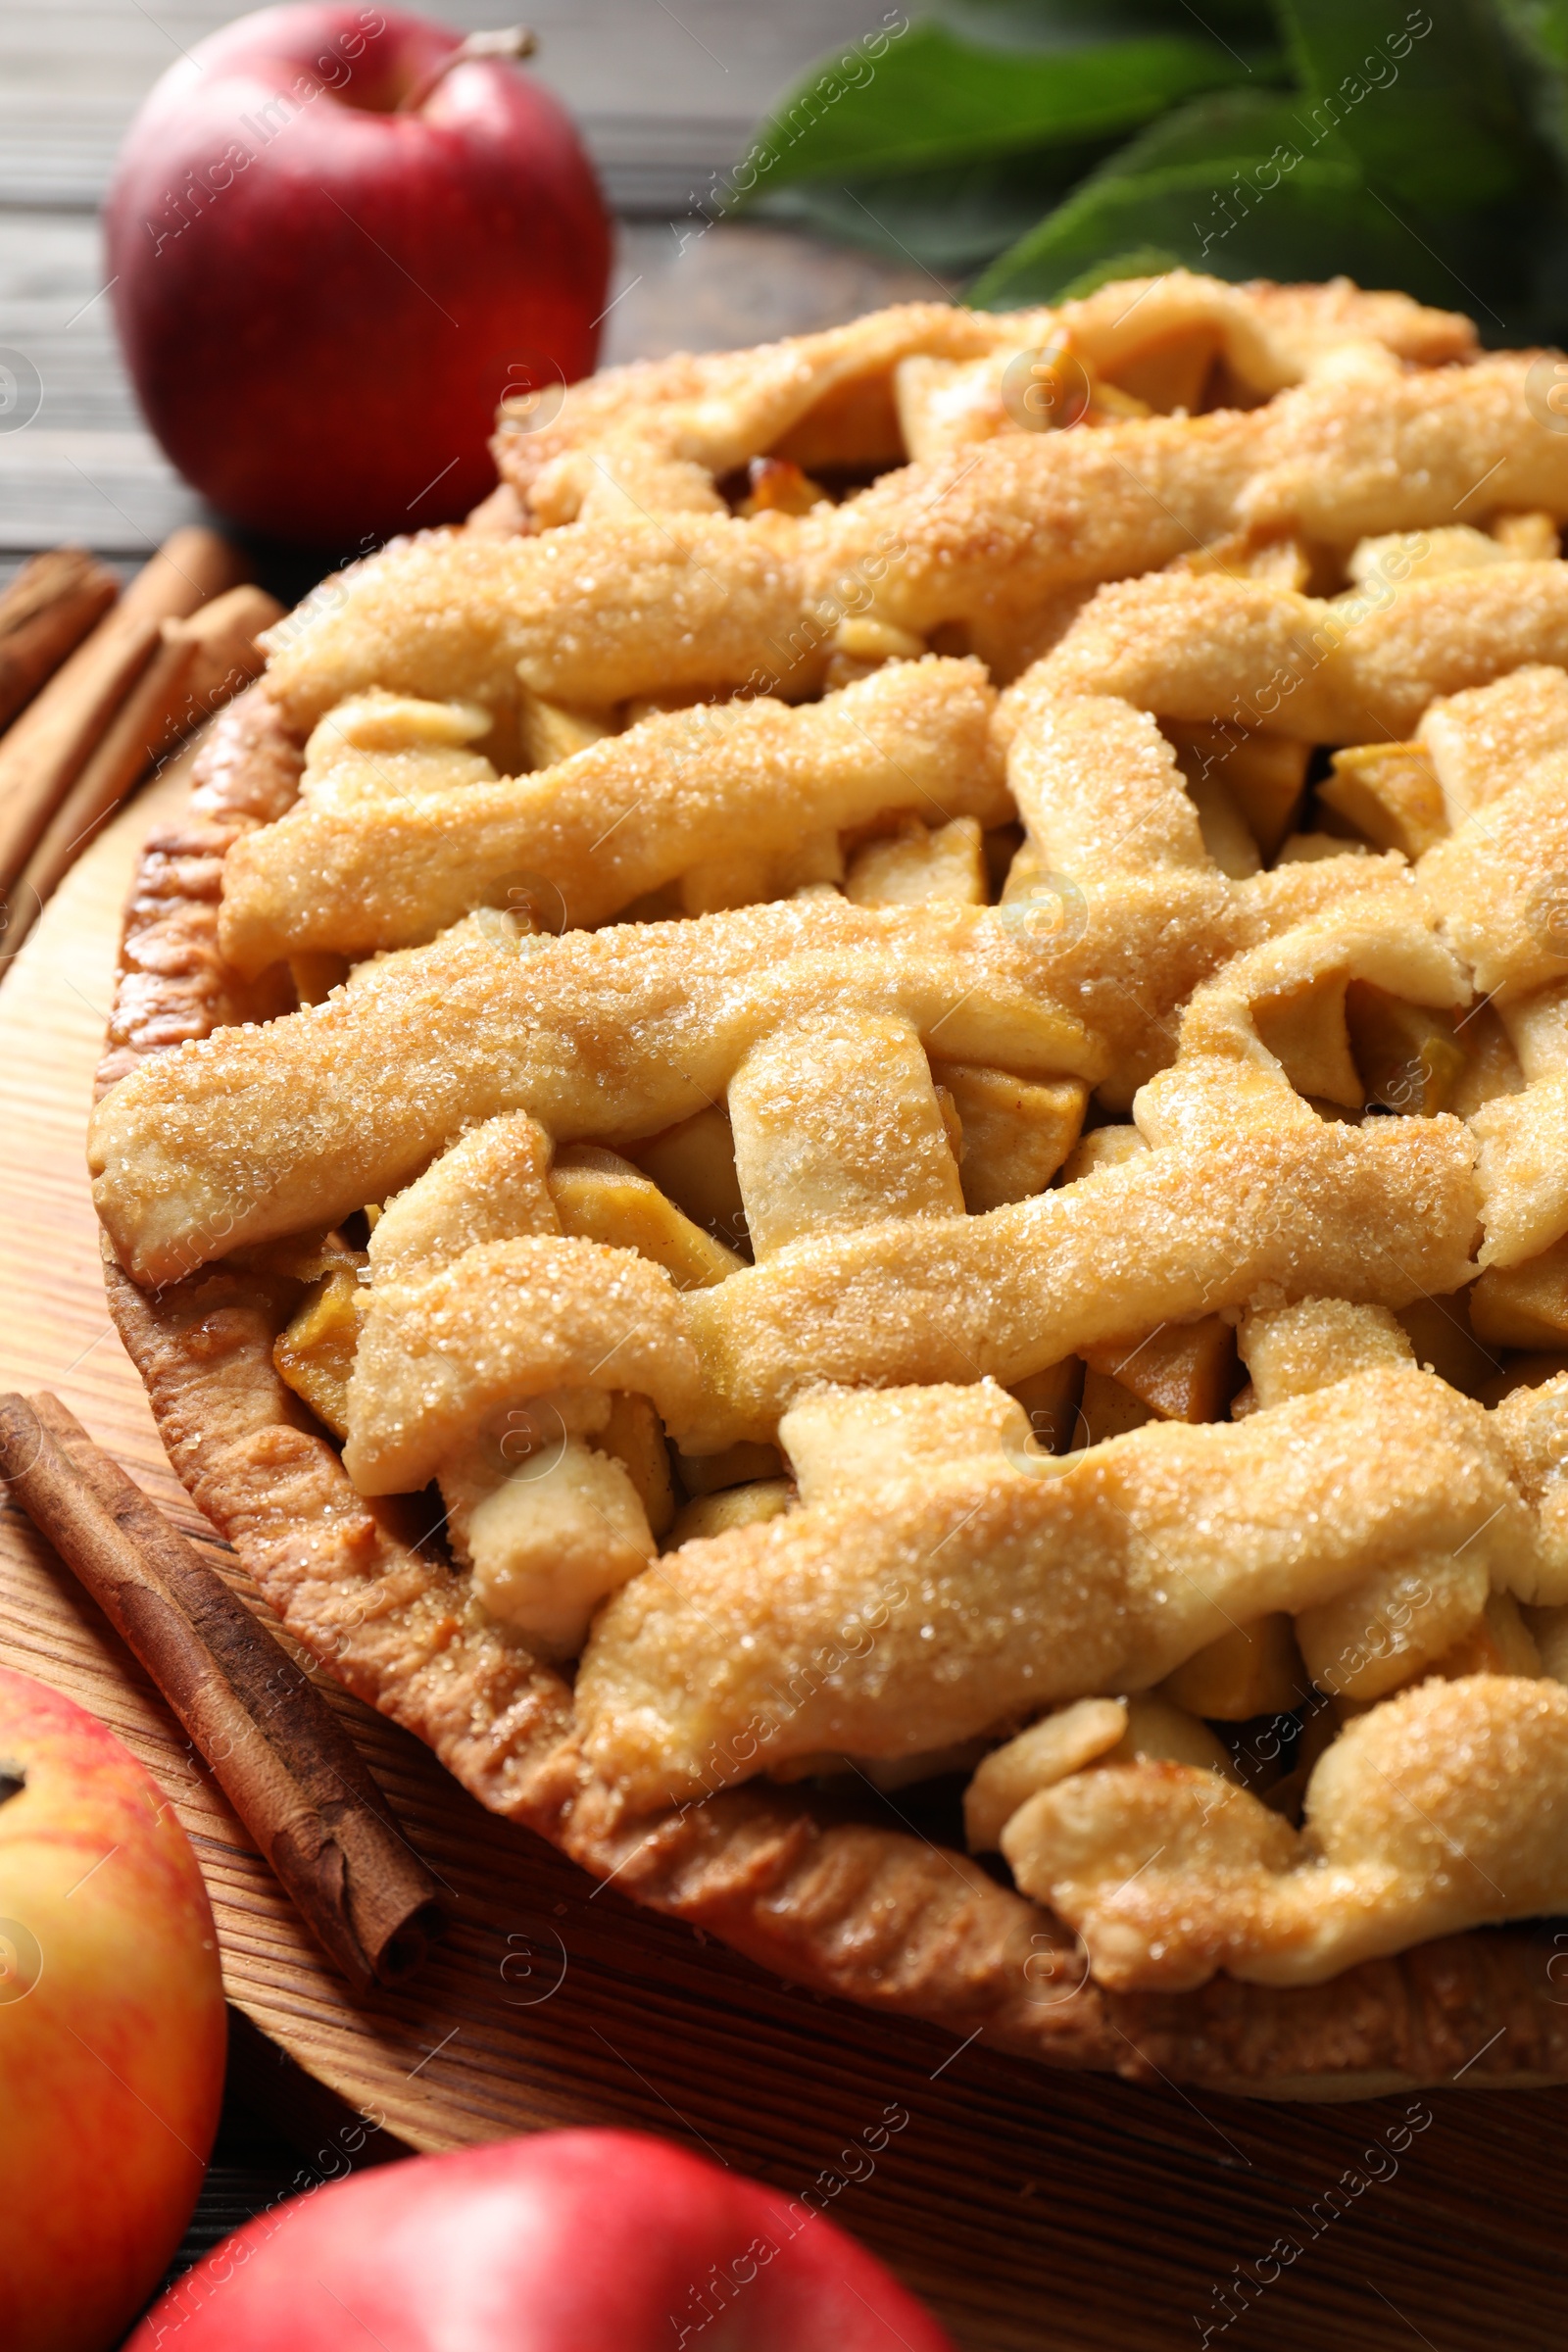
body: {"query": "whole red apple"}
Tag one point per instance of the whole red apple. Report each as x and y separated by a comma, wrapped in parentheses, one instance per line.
(112, 2027)
(332, 250)
(570, 2242)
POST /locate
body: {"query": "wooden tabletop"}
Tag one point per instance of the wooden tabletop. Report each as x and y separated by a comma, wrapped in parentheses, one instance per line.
(1037, 2210)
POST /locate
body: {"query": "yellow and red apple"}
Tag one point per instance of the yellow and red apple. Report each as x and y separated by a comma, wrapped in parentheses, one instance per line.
(112, 2027)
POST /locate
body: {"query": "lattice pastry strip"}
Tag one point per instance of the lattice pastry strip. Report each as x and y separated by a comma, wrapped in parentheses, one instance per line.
(1101, 1570)
(1255, 1189)
(1496, 761)
(440, 1031)
(599, 611)
(614, 1034)
(443, 1028)
(1050, 1580)
(393, 838)
(1325, 670)
(554, 1493)
(1159, 779)
(395, 861)
(837, 1125)
(491, 1361)
(924, 379)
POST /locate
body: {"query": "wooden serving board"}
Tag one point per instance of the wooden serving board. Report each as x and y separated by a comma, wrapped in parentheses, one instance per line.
(1032, 2209)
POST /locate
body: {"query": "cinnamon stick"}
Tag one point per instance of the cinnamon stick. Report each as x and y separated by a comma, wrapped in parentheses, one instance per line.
(199, 664)
(43, 754)
(285, 1763)
(45, 612)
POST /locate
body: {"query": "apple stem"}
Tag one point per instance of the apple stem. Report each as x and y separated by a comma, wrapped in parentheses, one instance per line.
(511, 40)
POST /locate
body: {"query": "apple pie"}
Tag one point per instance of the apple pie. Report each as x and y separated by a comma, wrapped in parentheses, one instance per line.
(840, 1147)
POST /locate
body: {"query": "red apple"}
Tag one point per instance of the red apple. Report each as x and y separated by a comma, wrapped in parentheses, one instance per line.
(572, 2241)
(324, 280)
(111, 2027)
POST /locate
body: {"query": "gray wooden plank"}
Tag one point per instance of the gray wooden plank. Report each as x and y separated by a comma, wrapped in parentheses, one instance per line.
(80, 465)
(666, 95)
(110, 491)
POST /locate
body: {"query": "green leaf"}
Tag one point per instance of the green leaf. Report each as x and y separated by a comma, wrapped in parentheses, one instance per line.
(1539, 33)
(1231, 128)
(1426, 98)
(1246, 185)
(1542, 24)
(932, 100)
(1067, 23)
(1311, 223)
(950, 220)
